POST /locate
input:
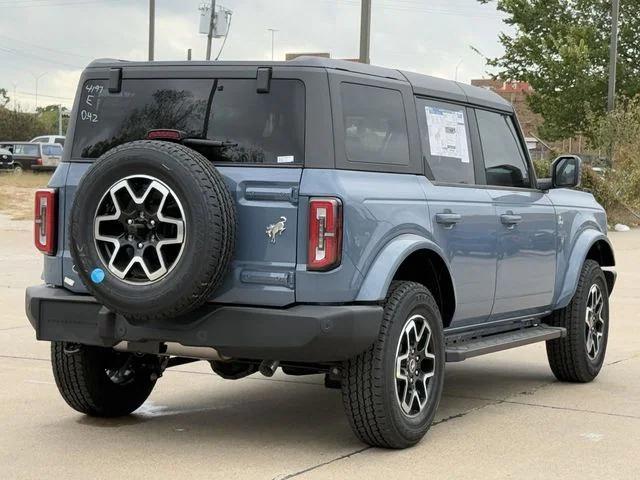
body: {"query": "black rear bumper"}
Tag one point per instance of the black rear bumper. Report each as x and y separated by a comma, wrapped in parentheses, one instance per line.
(306, 333)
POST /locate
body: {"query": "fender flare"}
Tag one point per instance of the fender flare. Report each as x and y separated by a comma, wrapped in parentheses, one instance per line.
(377, 280)
(577, 258)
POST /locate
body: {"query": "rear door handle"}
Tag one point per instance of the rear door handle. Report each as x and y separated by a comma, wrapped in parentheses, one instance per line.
(448, 219)
(510, 220)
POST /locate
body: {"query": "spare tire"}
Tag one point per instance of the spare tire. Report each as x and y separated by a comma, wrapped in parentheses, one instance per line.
(152, 230)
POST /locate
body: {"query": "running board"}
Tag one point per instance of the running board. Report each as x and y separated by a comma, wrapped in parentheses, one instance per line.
(461, 350)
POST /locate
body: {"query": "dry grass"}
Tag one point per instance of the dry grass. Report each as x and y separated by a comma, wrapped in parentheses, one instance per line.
(16, 193)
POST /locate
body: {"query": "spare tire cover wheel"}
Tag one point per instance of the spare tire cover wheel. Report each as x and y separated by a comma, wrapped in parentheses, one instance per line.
(152, 229)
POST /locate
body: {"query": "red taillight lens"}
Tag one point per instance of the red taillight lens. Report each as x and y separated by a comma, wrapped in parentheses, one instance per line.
(325, 234)
(39, 161)
(44, 231)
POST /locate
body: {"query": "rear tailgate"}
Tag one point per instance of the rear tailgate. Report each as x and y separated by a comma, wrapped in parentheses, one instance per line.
(263, 133)
(263, 268)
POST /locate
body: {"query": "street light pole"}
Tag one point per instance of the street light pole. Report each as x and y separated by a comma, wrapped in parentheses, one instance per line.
(365, 31)
(211, 24)
(457, 67)
(37, 79)
(273, 32)
(613, 54)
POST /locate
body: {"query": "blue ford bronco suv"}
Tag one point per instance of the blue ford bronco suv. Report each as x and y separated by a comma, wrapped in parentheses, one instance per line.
(318, 216)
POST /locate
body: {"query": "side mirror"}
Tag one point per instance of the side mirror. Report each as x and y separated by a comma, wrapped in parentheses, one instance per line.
(566, 171)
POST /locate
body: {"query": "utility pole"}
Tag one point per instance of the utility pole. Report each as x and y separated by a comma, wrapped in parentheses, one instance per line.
(15, 85)
(211, 25)
(152, 27)
(60, 120)
(613, 54)
(273, 32)
(365, 31)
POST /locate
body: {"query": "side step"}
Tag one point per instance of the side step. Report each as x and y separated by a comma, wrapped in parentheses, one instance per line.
(459, 351)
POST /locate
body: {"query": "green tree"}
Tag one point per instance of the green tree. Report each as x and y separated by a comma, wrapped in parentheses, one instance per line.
(561, 48)
(4, 98)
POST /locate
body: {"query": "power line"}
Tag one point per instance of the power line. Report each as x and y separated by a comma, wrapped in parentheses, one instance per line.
(54, 50)
(64, 4)
(20, 53)
(32, 94)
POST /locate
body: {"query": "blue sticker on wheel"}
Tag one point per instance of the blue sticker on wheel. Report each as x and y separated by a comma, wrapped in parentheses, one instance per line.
(97, 275)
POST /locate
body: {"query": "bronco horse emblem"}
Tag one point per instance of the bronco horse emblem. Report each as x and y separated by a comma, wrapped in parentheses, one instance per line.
(276, 229)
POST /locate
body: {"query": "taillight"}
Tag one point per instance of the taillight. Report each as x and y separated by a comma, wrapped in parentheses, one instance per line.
(45, 221)
(39, 160)
(165, 134)
(325, 234)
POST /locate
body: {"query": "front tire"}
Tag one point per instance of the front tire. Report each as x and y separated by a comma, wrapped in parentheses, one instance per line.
(99, 381)
(391, 391)
(579, 356)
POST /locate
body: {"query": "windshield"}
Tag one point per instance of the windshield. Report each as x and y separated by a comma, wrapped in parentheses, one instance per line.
(258, 128)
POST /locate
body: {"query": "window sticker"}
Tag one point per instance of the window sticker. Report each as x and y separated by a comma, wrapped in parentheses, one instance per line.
(447, 133)
(286, 159)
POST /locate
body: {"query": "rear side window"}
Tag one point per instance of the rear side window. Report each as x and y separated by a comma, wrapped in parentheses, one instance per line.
(444, 129)
(375, 125)
(28, 150)
(504, 160)
(259, 128)
(60, 141)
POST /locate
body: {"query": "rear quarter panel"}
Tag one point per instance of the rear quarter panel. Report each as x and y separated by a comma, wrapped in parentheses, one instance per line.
(378, 207)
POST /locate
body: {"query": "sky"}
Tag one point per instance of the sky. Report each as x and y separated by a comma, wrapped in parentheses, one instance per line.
(53, 40)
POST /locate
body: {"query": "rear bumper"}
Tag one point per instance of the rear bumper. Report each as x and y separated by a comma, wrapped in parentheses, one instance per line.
(306, 333)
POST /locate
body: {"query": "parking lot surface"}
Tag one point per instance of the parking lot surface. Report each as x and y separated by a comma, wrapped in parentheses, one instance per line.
(502, 416)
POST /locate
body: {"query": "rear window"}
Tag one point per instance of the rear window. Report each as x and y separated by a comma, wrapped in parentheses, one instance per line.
(28, 150)
(265, 128)
(51, 149)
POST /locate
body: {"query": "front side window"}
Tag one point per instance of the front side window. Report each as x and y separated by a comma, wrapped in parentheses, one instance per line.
(504, 160)
(375, 125)
(444, 129)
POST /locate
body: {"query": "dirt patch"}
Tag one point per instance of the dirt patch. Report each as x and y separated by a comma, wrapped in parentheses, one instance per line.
(16, 193)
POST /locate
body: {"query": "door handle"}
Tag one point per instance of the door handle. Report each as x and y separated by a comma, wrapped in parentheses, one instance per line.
(448, 219)
(510, 220)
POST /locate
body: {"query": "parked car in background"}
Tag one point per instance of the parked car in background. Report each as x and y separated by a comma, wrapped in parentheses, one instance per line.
(6, 159)
(33, 156)
(59, 139)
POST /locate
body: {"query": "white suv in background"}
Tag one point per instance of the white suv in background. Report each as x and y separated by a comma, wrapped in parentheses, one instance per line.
(49, 139)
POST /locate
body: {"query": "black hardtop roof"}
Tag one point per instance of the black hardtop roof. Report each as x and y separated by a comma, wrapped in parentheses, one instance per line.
(423, 85)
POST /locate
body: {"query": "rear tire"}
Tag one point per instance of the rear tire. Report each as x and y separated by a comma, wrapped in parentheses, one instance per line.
(81, 376)
(579, 356)
(373, 383)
